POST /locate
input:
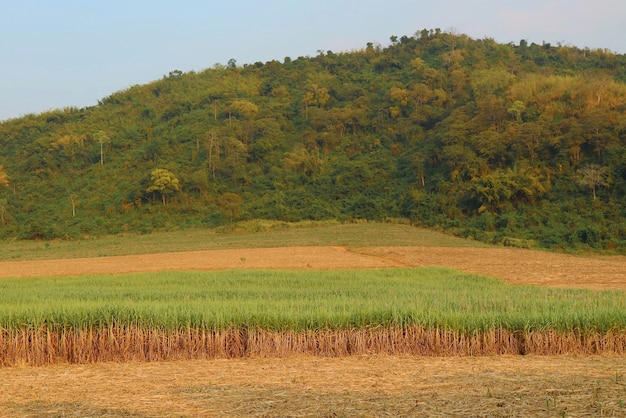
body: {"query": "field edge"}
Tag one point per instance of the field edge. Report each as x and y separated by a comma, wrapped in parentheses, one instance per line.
(131, 344)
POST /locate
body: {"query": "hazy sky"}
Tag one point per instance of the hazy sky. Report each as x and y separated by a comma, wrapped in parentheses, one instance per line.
(60, 53)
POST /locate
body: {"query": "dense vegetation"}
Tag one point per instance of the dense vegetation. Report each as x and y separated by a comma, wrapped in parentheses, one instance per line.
(173, 315)
(305, 300)
(517, 144)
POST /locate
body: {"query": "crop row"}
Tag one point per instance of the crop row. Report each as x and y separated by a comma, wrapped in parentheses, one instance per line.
(297, 301)
(123, 344)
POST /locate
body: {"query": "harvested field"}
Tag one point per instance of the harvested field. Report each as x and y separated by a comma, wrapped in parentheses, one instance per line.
(320, 386)
(513, 265)
(497, 386)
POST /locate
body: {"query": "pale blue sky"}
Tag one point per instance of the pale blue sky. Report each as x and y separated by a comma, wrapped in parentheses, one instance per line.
(60, 53)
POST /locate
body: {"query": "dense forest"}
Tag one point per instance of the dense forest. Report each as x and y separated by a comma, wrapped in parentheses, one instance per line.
(518, 144)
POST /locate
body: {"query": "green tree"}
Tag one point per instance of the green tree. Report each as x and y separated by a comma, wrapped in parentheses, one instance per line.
(500, 189)
(492, 191)
(164, 182)
(247, 111)
(3, 210)
(4, 182)
(231, 204)
(517, 109)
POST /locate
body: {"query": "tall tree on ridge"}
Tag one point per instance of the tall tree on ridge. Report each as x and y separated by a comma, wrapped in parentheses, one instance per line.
(102, 138)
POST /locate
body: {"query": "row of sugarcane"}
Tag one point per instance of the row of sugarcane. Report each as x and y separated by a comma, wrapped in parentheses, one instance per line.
(173, 315)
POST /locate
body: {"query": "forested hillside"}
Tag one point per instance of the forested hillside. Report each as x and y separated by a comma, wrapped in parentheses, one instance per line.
(516, 144)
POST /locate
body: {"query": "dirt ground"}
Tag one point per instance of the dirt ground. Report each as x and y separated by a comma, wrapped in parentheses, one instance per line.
(332, 387)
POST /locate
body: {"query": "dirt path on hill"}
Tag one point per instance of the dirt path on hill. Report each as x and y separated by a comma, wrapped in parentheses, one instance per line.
(513, 265)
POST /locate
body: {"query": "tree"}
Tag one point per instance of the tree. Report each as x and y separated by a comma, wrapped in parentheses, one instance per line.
(3, 210)
(248, 111)
(213, 147)
(73, 202)
(4, 182)
(517, 109)
(593, 176)
(71, 145)
(244, 108)
(4, 177)
(102, 138)
(163, 181)
(316, 96)
(231, 204)
(491, 191)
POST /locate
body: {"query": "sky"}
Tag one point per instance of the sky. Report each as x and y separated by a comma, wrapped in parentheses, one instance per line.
(71, 53)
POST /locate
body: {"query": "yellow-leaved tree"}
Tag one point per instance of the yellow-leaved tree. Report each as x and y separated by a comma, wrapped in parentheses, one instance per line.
(4, 178)
(164, 182)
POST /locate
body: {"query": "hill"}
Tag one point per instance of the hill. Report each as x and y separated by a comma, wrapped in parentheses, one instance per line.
(521, 144)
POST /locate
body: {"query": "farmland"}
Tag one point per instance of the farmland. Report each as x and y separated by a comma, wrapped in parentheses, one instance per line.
(301, 300)
(330, 302)
(427, 311)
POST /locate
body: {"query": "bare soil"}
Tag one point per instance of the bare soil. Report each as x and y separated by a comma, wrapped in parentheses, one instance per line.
(333, 387)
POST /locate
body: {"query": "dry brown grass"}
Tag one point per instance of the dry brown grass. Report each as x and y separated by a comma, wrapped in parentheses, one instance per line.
(303, 386)
(251, 258)
(514, 265)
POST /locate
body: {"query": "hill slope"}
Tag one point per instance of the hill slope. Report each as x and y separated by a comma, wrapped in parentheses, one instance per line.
(518, 144)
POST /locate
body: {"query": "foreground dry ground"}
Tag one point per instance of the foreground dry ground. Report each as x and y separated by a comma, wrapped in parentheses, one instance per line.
(334, 387)
(322, 387)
